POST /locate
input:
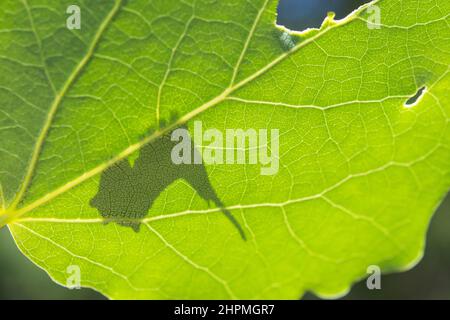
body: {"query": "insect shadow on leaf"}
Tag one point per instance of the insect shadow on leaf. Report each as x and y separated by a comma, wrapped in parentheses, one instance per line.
(127, 192)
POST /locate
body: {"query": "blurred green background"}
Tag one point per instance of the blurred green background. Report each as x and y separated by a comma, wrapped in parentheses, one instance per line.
(430, 279)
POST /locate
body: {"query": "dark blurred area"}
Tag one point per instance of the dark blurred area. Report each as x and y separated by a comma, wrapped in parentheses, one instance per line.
(299, 15)
(20, 279)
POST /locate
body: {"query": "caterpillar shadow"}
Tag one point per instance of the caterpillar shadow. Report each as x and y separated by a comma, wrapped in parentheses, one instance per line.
(127, 192)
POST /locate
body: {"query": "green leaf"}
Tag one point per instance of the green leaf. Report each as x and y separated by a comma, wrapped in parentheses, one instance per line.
(360, 173)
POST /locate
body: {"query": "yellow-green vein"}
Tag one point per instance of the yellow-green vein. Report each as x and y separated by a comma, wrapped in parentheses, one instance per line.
(57, 102)
(12, 214)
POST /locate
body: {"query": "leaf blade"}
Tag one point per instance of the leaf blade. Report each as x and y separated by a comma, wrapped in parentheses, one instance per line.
(363, 151)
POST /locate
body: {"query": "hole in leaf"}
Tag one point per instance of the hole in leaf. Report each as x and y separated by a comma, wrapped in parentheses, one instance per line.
(300, 15)
(415, 98)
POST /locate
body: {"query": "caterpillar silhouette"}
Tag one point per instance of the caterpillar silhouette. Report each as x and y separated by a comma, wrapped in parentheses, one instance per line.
(302, 14)
(127, 193)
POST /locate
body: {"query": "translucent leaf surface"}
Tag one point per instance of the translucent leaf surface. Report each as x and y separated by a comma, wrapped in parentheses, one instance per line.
(360, 170)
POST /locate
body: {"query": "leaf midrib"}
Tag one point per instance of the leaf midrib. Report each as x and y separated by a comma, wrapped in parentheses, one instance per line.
(11, 213)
